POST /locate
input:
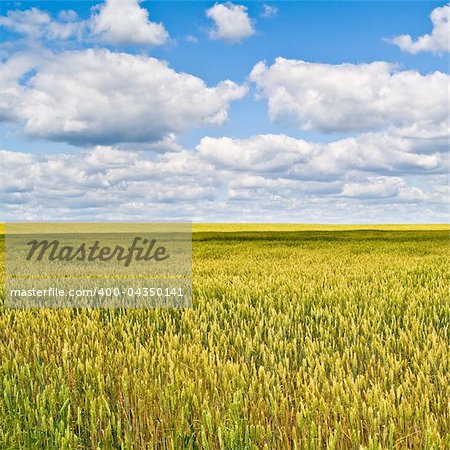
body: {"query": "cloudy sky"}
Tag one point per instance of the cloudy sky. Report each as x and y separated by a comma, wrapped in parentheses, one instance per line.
(325, 112)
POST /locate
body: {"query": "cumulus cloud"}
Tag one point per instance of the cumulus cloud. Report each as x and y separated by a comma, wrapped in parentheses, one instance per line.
(395, 190)
(270, 152)
(351, 97)
(38, 24)
(374, 187)
(30, 21)
(11, 91)
(101, 182)
(106, 182)
(380, 153)
(100, 97)
(231, 22)
(436, 42)
(125, 22)
(106, 24)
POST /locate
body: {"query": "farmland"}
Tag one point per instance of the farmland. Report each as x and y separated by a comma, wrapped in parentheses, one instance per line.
(301, 337)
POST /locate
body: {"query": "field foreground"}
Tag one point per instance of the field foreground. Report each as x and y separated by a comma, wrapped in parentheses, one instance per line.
(298, 338)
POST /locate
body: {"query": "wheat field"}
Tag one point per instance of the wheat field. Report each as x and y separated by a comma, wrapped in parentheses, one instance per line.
(300, 337)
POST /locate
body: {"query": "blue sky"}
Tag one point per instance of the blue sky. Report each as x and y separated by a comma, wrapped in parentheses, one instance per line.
(313, 163)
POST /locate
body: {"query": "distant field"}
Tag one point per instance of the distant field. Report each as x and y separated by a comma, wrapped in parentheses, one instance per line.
(237, 227)
(328, 338)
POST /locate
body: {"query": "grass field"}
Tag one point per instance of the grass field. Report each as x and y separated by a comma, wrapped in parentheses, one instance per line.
(300, 337)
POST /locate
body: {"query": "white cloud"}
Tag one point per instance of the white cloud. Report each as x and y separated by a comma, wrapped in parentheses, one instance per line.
(100, 97)
(31, 21)
(105, 182)
(381, 153)
(37, 24)
(436, 42)
(11, 91)
(101, 182)
(68, 15)
(351, 97)
(395, 190)
(374, 187)
(265, 153)
(231, 22)
(119, 22)
(269, 11)
(125, 22)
